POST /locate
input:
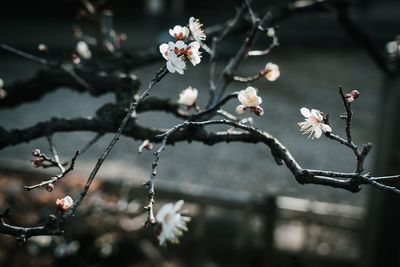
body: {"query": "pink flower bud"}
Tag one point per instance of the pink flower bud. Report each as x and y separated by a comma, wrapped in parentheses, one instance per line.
(36, 152)
(259, 111)
(37, 162)
(75, 59)
(355, 93)
(145, 145)
(50, 187)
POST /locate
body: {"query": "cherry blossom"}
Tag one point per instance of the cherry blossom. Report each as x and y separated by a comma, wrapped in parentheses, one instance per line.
(65, 203)
(193, 54)
(179, 32)
(83, 50)
(313, 123)
(249, 100)
(172, 222)
(175, 63)
(350, 97)
(271, 72)
(188, 97)
(196, 30)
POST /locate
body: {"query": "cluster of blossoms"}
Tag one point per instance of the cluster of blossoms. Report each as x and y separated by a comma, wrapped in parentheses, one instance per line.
(313, 124)
(172, 223)
(176, 53)
(249, 101)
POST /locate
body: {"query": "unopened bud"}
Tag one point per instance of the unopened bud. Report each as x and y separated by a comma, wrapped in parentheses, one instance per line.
(50, 187)
(259, 111)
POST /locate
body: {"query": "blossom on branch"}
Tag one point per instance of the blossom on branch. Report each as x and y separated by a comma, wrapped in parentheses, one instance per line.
(65, 203)
(192, 53)
(172, 222)
(176, 53)
(196, 30)
(249, 100)
(353, 95)
(313, 123)
(188, 97)
(83, 50)
(179, 32)
(271, 72)
(175, 63)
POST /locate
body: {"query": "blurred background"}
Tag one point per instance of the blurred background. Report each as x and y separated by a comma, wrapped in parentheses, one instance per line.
(246, 210)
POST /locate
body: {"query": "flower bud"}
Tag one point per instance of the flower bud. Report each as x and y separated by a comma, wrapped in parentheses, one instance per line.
(240, 109)
(43, 48)
(36, 152)
(50, 187)
(75, 59)
(259, 111)
(64, 204)
(37, 162)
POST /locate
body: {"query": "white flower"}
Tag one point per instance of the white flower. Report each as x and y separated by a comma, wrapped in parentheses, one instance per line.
(64, 203)
(175, 63)
(249, 99)
(196, 30)
(164, 50)
(188, 96)
(192, 52)
(172, 222)
(83, 50)
(313, 123)
(179, 32)
(271, 72)
(178, 48)
(1, 83)
(271, 32)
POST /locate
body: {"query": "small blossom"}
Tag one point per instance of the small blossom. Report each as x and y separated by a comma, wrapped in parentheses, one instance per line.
(175, 63)
(65, 203)
(83, 50)
(172, 222)
(37, 161)
(36, 152)
(313, 124)
(179, 32)
(75, 59)
(240, 109)
(271, 72)
(196, 30)
(3, 93)
(1, 83)
(178, 48)
(164, 50)
(188, 97)
(271, 32)
(192, 52)
(145, 145)
(353, 95)
(249, 100)
(42, 48)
